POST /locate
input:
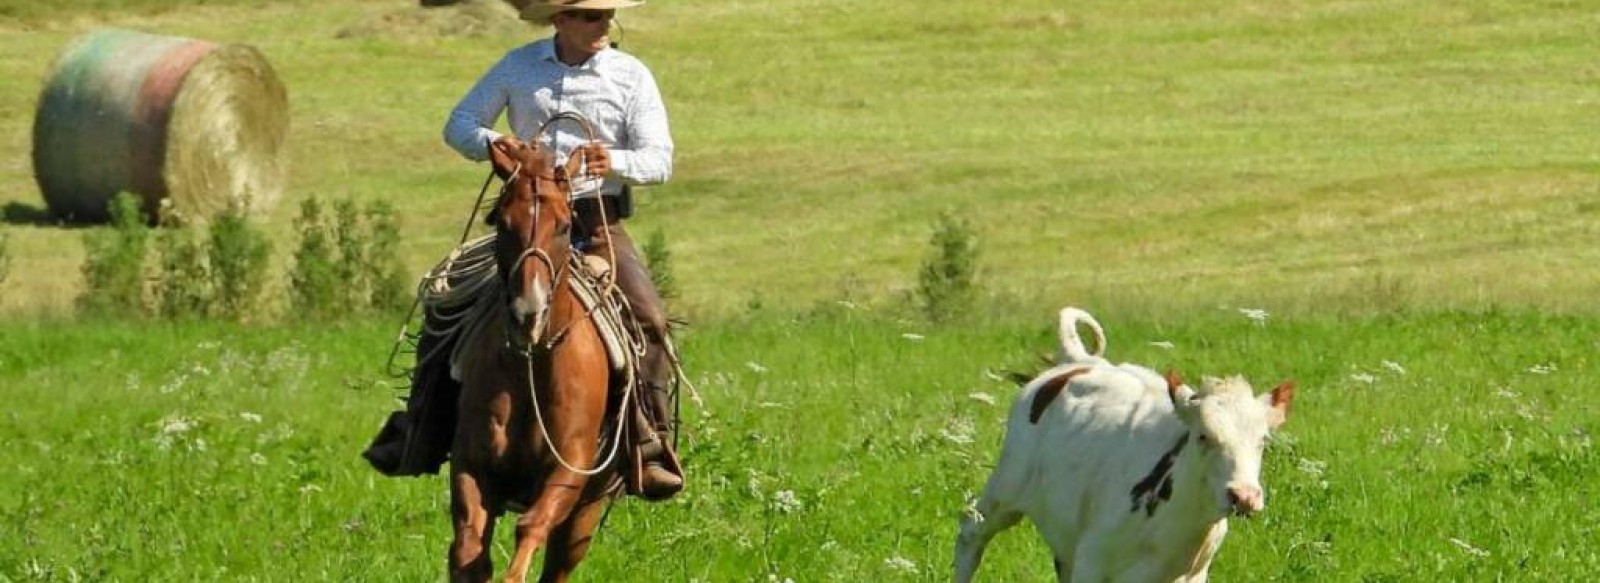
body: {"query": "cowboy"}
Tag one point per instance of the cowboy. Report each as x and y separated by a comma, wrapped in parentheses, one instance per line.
(576, 70)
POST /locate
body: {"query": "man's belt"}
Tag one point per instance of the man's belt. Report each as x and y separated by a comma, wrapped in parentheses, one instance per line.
(614, 208)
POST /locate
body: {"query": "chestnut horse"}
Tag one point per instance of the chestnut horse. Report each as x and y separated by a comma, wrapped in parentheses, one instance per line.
(535, 390)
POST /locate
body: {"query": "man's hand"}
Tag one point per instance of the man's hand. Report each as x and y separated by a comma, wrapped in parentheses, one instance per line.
(596, 158)
(508, 143)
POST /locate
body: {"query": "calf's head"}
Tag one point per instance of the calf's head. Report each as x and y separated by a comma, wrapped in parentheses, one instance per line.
(1228, 428)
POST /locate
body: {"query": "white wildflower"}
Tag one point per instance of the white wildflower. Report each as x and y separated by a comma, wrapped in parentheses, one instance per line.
(899, 563)
(309, 488)
(1468, 548)
(176, 425)
(984, 398)
(1389, 436)
(972, 507)
(1436, 435)
(1257, 315)
(1313, 467)
(1543, 368)
(250, 417)
(912, 337)
(1163, 344)
(1394, 367)
(258, 459)
(754, 486)
(1363, 378)
(173, 385)
(959, 431)
(755, 367)
(784, 501)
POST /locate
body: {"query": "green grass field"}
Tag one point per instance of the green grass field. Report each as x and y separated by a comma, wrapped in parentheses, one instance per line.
(1443, 447)
(1411, 190)
(1441, 154)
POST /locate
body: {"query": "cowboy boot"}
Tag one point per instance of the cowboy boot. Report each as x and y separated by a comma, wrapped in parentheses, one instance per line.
(661, 475)
(657, 473)
(416, 440)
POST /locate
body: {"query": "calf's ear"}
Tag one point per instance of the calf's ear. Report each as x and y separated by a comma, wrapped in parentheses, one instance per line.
(1181, 395)
(1278, 401)
(1175, 389)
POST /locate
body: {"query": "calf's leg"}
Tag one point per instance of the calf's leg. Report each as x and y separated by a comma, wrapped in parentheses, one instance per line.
(977, 529)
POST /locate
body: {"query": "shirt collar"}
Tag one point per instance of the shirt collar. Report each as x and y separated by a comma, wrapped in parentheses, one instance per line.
(546, 51)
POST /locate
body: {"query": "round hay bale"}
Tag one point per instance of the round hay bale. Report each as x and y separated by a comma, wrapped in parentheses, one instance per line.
(199, 124)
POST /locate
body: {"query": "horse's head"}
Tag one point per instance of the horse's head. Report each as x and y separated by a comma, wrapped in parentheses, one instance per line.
(532, 220)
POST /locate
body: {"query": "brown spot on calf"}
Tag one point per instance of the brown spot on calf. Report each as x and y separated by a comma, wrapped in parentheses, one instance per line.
(1048, 391)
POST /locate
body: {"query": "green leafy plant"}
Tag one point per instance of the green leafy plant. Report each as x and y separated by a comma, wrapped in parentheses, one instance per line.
(350, 263)
(314, 278)
(946, 285)
(659, 258)
(183, 282)
(347, 262)
(113, 269)
(239, 254)
(388, 287)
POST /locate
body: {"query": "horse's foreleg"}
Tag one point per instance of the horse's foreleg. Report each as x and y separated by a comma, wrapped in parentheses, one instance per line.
(474, 527)
(552, 507)
(570, 541)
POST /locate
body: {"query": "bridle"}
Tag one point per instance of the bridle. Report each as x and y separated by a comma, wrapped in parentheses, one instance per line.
(537, 339)
(540, 337)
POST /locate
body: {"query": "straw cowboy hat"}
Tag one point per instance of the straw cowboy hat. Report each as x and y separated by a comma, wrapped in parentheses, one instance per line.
(542, 10)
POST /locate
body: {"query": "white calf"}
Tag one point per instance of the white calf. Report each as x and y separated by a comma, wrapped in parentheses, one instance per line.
(1128, 476)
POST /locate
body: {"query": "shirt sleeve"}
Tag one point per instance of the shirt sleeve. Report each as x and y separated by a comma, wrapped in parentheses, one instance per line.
(648, 159)
(470, 126)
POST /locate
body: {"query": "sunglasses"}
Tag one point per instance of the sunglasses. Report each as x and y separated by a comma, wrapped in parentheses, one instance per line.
(591, 16)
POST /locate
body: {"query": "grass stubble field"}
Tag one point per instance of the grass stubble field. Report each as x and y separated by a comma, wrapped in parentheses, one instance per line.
(1409, 191)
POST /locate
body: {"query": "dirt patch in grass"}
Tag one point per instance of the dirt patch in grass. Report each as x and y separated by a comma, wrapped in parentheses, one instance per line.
(469, 18)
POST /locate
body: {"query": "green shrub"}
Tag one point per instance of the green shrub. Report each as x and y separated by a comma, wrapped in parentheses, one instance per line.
(182, 286)
(659, 258)
(314, 279)
(350, 257)
(388, 286)
(113, 268)
(238, 257)
(348, 263)
(946, 285)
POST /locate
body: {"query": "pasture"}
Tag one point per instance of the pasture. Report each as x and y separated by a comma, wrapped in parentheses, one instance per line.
(1409, 192)
(836, 446)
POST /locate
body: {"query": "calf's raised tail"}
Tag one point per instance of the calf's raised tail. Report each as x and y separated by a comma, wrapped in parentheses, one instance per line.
(1072, 347)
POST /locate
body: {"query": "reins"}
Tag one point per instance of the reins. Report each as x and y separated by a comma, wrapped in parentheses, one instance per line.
(549, 343)
(405, 325)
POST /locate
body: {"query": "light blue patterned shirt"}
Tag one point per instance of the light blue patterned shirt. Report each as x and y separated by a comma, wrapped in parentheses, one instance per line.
(613, 89)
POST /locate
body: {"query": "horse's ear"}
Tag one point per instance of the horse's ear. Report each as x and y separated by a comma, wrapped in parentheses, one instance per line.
(501, 161)
(575, 162)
